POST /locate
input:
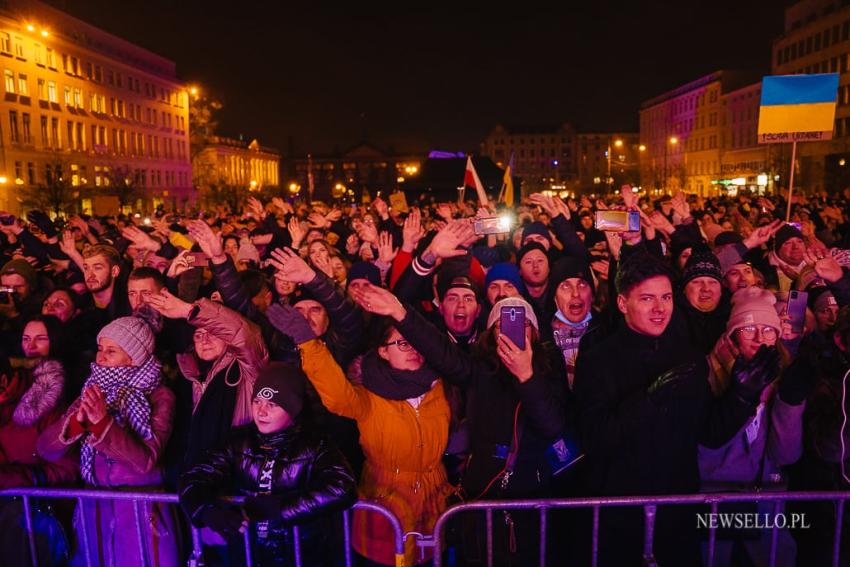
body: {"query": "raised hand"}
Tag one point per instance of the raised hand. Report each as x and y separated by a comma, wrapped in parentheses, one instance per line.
(296, 232)
(284, 207)
(680, 205)
(170, 305)
(446, 243)
(412, 232)
(762, 234)
(545, 202)
(368, 233)
(68, 244)
(826, 266)
(256, 207)
(386, 252)
(516, 360)
(180, 264)
(379, 301)
(290, 322)
(93, 403)
(630, 198)
(291, 266)
(209, 241)
(317, 220)
(140, 239)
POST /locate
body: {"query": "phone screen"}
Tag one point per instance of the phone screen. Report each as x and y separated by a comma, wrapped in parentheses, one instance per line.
(797, 301)
(512, 325)
(618, 221)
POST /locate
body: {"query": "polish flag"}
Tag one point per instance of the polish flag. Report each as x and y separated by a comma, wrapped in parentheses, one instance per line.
(471, 179)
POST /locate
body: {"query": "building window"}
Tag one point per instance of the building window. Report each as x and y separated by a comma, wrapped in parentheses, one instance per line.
(81, 139)
(98, 74)
(10, 80)
(51, 91)
(30, 173)
(54, 133)
(68, 96)
(45, 141)
(23, 88)
(94, 139)
(13, 126)
(27, 131)
(69, 127)
(78, 98)
(51, 58)
(19, 47)
(5, 42)
(19, 171)
(37, 54)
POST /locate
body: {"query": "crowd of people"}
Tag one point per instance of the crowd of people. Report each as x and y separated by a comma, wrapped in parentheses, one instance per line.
(306, 355)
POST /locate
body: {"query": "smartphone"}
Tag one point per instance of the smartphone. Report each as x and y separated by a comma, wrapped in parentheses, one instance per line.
(797, 225)
(512, 325)
(6, 294)
(198, 259)
(618, 221)
(492, 225)
(797, 301)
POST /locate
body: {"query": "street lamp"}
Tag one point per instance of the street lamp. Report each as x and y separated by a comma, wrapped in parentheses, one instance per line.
(672, 141)
(617, 144)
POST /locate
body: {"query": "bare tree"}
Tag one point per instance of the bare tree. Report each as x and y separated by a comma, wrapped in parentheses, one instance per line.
(56, 194)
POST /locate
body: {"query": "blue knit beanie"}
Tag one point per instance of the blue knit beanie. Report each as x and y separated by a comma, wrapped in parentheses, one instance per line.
(505, 271)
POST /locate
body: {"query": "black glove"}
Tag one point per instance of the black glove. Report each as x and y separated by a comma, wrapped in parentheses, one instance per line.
(661, 391)
(225, 521)
(43, 222)
(262, 508)
(798, 380)
(749, 379)
(290, 322)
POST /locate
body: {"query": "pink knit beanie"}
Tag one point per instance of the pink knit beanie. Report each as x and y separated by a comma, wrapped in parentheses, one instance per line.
(752, 306)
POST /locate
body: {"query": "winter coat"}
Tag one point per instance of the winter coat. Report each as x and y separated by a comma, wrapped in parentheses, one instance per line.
(496, 401)
(403, 447)
(31, 402)
(308, 475)
(245, 349)
(636, 444)
(123, 461)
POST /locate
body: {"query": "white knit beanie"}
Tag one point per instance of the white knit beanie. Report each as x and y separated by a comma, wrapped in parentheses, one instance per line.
(753, 306)
(133, 335)
(496, 312)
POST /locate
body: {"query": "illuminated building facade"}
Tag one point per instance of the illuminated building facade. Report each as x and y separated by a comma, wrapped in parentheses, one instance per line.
(604, 155)
(92, 106)
(235, 163)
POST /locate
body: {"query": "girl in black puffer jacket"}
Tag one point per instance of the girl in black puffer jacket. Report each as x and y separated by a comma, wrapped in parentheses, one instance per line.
(289, 475)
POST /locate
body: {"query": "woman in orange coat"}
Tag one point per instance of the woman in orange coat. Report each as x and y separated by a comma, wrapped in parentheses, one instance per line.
(403, 416)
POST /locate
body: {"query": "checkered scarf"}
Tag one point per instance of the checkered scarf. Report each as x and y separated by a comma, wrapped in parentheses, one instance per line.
(126, 389)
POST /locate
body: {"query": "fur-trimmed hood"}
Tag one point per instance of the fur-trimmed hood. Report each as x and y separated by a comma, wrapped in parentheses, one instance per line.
(42, 397)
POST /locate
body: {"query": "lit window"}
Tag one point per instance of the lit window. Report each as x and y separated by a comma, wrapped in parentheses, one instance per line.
(51, 58)
(51, 91)
(78, 98)
(5, 42)
(10, 80)
(23, 88)
(38, 54)
(19, 47)
(68, 96)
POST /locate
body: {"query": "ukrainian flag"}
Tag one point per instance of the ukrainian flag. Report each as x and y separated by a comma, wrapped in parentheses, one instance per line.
(798, 103)
(508, 183)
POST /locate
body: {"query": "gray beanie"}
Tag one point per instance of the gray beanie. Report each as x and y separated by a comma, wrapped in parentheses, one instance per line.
(133, 335)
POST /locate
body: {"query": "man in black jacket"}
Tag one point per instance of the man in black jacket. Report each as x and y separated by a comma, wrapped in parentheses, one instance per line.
(644, 405)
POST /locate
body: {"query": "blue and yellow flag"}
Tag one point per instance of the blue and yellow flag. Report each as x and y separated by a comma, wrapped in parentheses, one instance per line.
(797, 108)
(508, 183)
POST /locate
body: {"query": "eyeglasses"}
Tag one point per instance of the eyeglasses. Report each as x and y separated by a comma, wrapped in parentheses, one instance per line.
(402, 345)
(767, 333)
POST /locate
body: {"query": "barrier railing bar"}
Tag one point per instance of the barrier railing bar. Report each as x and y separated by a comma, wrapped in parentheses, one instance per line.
(246, 542)
(543, 537)
(712, 538)
(139, 538)
(346, 528)
(296, 538)
(839, 520)
(648, 533)
(489, 515)
(774, 534)
(30, 533)
(197, 557)
(82, 512)
(595, 549)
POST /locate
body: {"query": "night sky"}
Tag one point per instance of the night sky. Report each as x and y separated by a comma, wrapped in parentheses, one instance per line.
(319, 79)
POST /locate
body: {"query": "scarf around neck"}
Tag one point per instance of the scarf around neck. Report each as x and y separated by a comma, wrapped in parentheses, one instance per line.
(126, 390)
(383, 380)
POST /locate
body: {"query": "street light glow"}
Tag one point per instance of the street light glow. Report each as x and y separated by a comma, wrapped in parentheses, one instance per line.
(44, 33)
(193, 91)
(30, 28)
(641, 148)
(674, 140)
(618, 143)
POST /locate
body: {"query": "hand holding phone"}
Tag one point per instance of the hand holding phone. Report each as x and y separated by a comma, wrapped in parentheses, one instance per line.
(512, 325)
(618, 221)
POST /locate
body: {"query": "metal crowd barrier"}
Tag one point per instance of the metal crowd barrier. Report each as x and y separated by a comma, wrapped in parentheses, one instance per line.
(196, 555)
(650, 506)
